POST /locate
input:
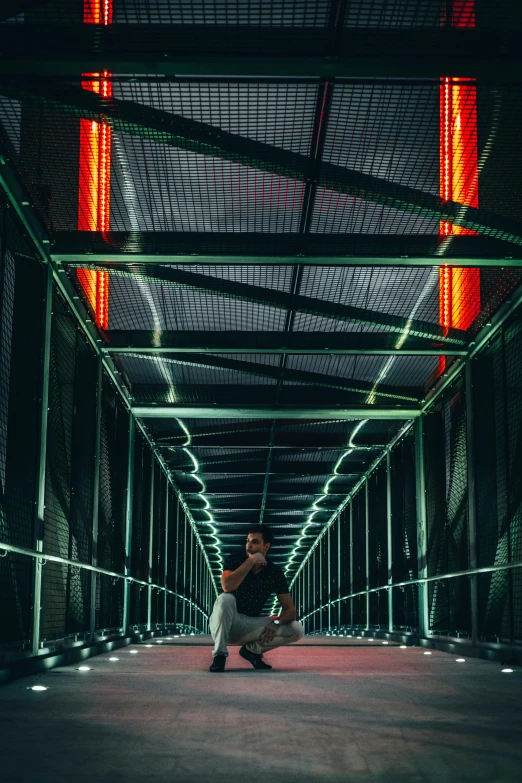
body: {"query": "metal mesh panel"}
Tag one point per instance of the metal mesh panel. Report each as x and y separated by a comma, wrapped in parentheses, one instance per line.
(113, 486)
(447, 512)
(140, 526)
(404, 533)
(69, 475)
(378, 545)
(497, 391)
(21, 312)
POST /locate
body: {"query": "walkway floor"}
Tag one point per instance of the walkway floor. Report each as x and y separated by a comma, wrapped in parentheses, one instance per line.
(354, 711)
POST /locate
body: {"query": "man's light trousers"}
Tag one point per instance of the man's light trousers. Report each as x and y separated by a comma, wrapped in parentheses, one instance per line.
(229, 627)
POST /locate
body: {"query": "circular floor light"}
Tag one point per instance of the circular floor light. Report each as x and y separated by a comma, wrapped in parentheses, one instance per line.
(148, 645)
(114, 659)
(461, 660)
(37, 688)
(385, 642)
(84, 669)
(507, 671)
(133, 652)
(427, 653)
(403, 646)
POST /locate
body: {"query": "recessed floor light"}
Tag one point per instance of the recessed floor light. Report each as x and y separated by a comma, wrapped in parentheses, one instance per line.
(427, 653)
(507, 671)
(84, 669)
(114, 659)
(133, 652)
(385, 642)
(461, 660)
(37, 688)
(370, 640)
(159, 641)
(148, 645)
(404, 646)
(176, 636)
(359, 637)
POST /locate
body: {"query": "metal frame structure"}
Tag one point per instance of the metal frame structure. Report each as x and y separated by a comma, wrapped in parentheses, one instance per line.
(299, 267)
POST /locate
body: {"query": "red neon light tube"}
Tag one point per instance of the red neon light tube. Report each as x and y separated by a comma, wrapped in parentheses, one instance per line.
(94, 185)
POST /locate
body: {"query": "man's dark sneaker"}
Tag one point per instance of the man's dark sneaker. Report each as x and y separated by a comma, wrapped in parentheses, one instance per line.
(218, 664)
(255, 659)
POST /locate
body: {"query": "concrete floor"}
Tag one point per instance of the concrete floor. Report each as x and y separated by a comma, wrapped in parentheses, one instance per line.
(356, 712)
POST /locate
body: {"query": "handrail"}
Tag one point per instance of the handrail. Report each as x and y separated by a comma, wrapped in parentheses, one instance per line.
(424, 580)
(20, 550)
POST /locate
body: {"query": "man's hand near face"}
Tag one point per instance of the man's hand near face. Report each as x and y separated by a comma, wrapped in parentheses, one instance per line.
(258, 558)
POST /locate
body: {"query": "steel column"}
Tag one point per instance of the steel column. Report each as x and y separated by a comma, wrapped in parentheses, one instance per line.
(321, 540)
(128, 525)
(389, 538)
(472, 515)
(329, 582)
(38, 530)
(422, 538)
(367, 559)
(339, 568)
(96, 500)
(166, 560)
(184, 590)
(351, 563)
(151, 544)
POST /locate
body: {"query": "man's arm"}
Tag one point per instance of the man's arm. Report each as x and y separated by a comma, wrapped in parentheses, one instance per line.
(288, 614)
(230, 580)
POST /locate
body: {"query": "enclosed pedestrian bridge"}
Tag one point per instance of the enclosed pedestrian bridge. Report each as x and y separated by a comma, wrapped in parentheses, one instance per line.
(261, 263)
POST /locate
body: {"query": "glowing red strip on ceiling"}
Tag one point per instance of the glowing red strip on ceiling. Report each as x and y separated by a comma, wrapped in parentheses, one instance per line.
(459, 289)
(94, 185)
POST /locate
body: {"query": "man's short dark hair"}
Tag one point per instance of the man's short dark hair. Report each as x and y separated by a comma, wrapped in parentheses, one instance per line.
(268, 536)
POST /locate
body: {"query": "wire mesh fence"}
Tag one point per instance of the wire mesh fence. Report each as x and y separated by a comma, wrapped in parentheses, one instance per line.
(84, 476)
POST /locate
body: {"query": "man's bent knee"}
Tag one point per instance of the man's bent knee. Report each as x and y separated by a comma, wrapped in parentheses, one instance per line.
(298, 629)
(226, 600)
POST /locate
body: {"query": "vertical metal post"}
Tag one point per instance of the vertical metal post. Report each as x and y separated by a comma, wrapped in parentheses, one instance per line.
(176, 581)
(339, 569)
(184, 590)
(472, 508)
(351, 563)
(314, 573)
(38, 531)
(191, 578)
(96, 501)
(166, 559)
(128, 525)
(389, 539)
(329, 582)
(367, 559)
(320, 613)
(151, 544)
(308, 588)
(422, 538)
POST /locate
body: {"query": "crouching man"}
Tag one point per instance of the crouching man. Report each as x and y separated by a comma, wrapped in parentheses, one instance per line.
(236, 619)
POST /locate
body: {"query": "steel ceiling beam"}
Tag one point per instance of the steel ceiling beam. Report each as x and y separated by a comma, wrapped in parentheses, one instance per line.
(260, 468)
(333, 413)
(109, 258)
(349, 343)
(288, 375)
(181, 132)
(303, 304)
(175, 50)
(255, 247)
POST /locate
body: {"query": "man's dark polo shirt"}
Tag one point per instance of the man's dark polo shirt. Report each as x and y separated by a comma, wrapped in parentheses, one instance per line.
(252, 593)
